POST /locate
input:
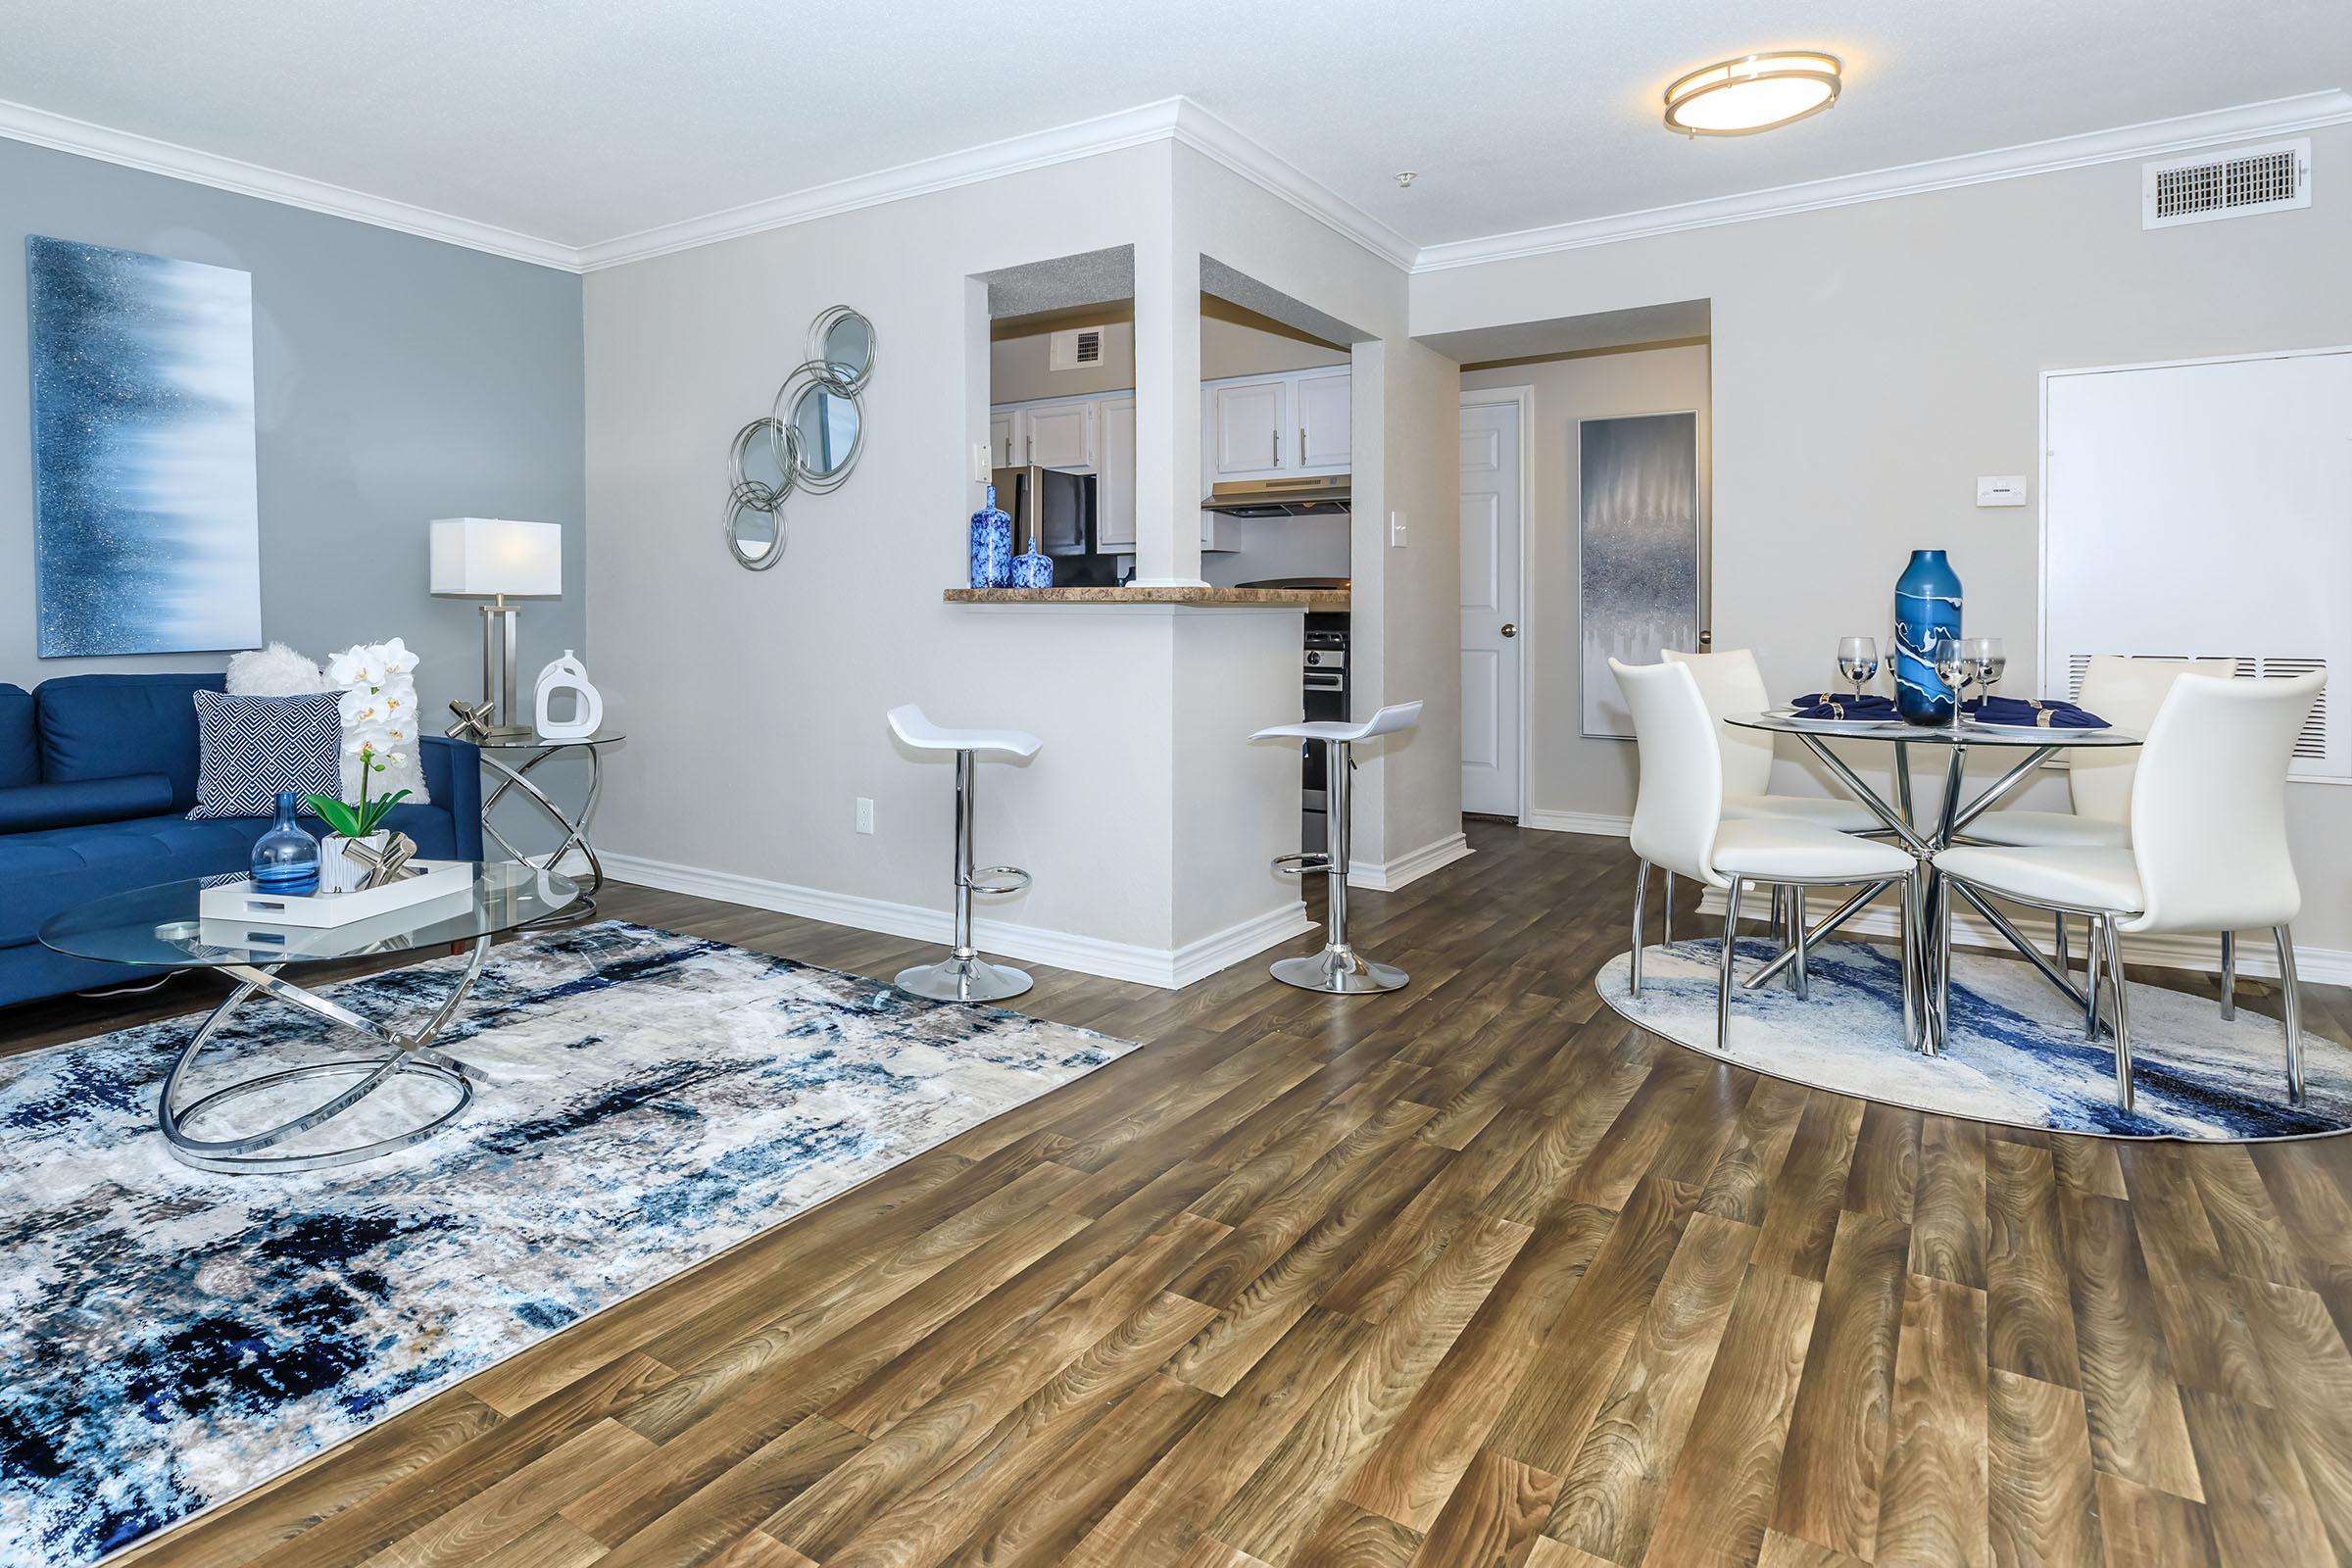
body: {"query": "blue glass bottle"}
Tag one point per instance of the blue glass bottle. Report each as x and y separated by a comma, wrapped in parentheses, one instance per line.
(992, 545)
(1031, 568)
(1927, 606)
(285, 859)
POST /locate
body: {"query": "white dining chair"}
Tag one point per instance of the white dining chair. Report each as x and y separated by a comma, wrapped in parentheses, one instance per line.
(2206, 847)
(1732, 682)
(2125, 692)
(1680, 826)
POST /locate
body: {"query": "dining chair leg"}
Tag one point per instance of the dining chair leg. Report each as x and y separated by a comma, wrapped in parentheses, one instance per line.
(1944, 972)
(2058, 943)
(2122, 1009)
(2294, 1012)
(1907, 914)
(1666, 936)
(1641, 898)
(2091, 980)
(2228, 974)
(1723, 983)
(1800, 975)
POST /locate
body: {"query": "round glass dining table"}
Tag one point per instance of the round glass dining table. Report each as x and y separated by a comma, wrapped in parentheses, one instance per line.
(2031, 745)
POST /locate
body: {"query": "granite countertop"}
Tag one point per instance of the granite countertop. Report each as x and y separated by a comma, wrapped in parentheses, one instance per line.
(1303, 598)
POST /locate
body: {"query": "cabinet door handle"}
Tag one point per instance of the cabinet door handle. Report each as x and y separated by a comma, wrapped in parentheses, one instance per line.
(1303, 446)
(1277, 435)
(1032, 445)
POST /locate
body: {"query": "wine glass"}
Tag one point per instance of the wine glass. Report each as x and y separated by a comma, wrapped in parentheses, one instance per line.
(1858, 661)
(1951, 668)
(1985, 659)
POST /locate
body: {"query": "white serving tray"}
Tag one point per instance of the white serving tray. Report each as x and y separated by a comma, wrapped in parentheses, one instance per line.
(240, 902)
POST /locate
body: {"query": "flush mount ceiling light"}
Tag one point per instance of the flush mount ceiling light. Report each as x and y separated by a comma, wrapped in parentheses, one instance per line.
(1754, 92)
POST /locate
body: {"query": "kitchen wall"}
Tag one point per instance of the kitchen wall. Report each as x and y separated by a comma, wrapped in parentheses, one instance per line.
(1870, 360)
(397, 380)
(1019, 367)
(1567, 774)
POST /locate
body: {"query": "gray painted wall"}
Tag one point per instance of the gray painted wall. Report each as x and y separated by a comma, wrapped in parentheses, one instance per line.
(397, 380)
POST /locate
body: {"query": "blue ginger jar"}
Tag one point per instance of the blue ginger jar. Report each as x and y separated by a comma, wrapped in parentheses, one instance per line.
(1927, 606)
(992, 545)
(285, 859)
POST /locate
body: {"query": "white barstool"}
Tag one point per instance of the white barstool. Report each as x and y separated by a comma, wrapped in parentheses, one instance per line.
(964, 975)
(1339, 967)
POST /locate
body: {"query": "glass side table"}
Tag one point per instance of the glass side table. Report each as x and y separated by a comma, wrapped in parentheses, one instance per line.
(513, 760)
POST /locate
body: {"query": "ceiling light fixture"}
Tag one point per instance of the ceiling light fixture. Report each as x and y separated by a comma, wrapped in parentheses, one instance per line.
(1754, 92)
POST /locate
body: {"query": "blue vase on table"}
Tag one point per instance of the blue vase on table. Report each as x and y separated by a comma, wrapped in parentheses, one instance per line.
(992, 545)
(1927, 606)
(285, 859)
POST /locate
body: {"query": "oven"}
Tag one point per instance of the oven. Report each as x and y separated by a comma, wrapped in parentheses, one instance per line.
(1324, 699)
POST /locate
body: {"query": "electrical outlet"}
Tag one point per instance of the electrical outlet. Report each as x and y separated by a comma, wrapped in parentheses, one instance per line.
(865, 815)
(1396, 530)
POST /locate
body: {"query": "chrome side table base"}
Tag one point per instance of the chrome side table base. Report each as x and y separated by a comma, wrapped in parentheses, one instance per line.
(575, 828)
(964, 978)
(1340, 970)
(410, 1056)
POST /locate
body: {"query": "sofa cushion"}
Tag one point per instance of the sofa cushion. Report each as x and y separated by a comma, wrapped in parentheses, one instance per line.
(105, 726)
(46, 873)
(254, 748)
(29, 807)
(19, 738)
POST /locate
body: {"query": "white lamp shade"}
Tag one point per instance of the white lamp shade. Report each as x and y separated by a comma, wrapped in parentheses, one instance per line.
(480, 556)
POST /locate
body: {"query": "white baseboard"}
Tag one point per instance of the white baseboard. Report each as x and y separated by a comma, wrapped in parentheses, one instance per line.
(1170, 969)
(1387, 876)
(2331, 966)
(1609, 827)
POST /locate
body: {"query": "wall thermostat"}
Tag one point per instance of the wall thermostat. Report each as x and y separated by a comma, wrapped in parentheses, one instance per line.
(2001, 490)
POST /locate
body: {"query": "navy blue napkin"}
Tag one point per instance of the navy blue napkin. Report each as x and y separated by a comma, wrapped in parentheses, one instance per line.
(1846, 707)
(2030, 712)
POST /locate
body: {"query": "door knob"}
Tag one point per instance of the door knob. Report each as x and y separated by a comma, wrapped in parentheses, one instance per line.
(1510, 628)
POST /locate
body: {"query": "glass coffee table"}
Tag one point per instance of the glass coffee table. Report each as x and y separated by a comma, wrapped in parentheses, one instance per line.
(158, 927)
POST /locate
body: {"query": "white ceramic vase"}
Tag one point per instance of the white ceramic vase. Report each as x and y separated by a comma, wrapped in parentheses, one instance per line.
(337, 871)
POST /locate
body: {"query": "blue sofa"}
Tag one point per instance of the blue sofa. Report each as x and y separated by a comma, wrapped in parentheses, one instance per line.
(97, 777)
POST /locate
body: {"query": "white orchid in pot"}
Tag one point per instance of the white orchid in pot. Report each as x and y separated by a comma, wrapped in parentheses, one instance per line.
(361, 853)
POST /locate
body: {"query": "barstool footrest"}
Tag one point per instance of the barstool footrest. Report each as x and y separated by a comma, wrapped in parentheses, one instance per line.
(1015, 879)
(1303, 862)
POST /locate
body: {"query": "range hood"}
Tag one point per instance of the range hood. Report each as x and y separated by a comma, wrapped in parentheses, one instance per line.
(1280, 498)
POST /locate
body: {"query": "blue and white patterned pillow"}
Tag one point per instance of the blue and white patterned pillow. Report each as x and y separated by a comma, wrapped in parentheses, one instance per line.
(253, 747)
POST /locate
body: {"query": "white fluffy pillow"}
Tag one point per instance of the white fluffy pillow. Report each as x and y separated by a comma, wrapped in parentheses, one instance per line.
(276, 671)
(378, 683)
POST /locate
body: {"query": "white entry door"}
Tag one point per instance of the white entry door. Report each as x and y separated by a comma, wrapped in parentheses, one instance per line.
(1491, 503)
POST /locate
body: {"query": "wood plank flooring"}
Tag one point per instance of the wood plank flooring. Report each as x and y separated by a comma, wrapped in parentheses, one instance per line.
(1472, 1274)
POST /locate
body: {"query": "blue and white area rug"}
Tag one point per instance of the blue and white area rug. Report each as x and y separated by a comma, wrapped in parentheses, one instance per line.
(170, 1338)
(2017, 1052)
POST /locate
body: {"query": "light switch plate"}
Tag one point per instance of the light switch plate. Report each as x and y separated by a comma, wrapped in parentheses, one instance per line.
(865, 815)
(982, 459)
(1396, 530)
(2001, 490)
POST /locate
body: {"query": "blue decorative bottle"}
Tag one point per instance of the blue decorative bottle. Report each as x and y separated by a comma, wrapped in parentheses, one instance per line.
(285, 859)
(1927, 606)
(1032, 568)
(992, 545)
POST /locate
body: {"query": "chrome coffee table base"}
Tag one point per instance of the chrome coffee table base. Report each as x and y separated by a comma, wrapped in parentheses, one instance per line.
(1340, 970)
(964, 979)
(411, 1056)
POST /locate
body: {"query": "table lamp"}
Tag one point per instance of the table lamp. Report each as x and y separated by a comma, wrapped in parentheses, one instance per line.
(494, 559)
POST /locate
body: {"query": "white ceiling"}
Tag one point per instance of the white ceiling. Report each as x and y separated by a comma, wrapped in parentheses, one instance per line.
(579, 122)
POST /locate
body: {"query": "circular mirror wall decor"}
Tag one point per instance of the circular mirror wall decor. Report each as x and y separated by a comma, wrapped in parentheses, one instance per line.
(810, 440)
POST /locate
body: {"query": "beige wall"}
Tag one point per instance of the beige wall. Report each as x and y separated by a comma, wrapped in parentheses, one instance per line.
(1566, 772)
(1870, 360)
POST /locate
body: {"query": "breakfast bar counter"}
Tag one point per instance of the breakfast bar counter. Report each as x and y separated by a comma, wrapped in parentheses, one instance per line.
(1269, 598)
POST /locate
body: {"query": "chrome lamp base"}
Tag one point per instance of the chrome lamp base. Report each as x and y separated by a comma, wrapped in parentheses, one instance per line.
(1340, 970)
(964, 979)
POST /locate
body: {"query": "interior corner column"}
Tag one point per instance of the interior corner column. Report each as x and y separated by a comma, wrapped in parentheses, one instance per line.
(1167, 414)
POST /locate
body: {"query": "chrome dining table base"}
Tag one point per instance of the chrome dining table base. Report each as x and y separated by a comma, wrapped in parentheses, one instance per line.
(410, 1054)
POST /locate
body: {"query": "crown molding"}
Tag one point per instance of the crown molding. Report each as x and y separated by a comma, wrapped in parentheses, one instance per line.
(25, 123)
(2154, 139)
(1214, 139)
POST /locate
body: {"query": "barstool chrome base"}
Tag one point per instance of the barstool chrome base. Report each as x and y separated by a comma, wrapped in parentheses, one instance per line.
(972, 979)
(1340, 970)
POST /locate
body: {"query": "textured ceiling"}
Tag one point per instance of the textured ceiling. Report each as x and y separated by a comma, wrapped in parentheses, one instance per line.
(580, 122)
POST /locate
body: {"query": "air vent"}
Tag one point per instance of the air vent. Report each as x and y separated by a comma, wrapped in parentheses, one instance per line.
(2311, 743)
(1077, 349)
(2237, 184)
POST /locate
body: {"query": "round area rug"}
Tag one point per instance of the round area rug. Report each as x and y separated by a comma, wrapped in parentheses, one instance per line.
(2017, 1053)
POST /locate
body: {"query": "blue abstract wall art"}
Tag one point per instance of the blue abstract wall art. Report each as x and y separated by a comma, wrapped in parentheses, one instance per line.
(147, 530)
(1638, 540)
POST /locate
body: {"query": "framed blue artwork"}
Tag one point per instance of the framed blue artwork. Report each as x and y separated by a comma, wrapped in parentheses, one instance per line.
(1638, 552)
(146, 527)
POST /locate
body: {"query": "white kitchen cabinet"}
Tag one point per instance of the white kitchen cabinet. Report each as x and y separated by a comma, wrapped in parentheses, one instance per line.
(1061, 435)
(1002, 425)
(1114, 476)
(1324, 409)
(1245, 427)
